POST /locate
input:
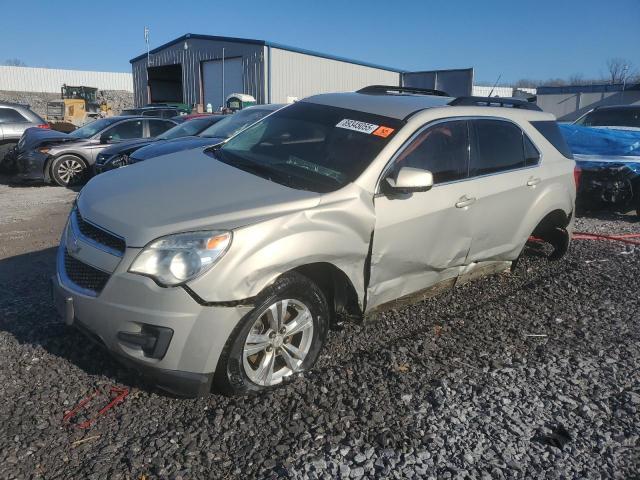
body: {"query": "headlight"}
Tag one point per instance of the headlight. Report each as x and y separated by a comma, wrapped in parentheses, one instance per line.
(118, 161)
(176, 259)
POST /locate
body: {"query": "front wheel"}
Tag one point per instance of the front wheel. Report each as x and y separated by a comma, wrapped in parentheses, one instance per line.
(282, 336)
(68, 170)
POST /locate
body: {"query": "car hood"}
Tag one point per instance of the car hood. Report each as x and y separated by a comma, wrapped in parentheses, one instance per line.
(184, 192)
(127, 145)
(34, 137)
(172, 146)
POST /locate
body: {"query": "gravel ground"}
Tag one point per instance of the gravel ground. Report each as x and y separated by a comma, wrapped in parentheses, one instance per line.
(534, 374)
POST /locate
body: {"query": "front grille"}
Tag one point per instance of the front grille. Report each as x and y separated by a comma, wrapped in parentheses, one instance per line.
(99, 236)
(83, 275)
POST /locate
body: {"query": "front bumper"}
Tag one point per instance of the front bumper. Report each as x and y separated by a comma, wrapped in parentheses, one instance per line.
(130, 305)
(30, 165)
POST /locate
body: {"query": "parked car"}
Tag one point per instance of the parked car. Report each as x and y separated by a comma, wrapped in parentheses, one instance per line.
(230, 264)
(613, 116)
(66, 158)
(117, 155)
(15, 118)
(217, 133)
(609, 162)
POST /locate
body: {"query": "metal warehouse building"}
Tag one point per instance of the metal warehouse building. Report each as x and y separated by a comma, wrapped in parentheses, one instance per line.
(202, 69)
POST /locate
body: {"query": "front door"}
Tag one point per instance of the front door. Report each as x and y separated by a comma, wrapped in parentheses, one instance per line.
(421, 239)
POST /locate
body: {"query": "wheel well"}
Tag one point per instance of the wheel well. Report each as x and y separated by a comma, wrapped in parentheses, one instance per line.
(553, 229)
(554, 219)
(337, 288)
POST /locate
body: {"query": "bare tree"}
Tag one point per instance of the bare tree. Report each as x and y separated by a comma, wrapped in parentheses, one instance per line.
(14, 62)
(576, 79)
(619, 69)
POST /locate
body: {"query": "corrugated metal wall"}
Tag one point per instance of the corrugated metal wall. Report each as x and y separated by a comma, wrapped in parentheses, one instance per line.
(197, 51)
(299, 75)
(30, 79)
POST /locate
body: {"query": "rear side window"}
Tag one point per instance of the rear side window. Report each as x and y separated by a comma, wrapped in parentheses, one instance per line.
(9, 115)
(496, 147)
(442, 149)
(531, 153)
(157, 127)
(126, 130)
(550, 130)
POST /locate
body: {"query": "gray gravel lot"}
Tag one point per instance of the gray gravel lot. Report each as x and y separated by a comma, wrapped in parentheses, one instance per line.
(534, 374)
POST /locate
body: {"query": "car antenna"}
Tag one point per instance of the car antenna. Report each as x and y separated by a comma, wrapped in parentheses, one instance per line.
(494, 85)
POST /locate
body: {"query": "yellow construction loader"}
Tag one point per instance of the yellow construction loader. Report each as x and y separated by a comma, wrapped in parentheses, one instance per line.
(77, 106)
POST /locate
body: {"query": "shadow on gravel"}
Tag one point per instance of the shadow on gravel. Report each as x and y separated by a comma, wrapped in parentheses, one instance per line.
(608, 215)
(12, 182)
(28, 314)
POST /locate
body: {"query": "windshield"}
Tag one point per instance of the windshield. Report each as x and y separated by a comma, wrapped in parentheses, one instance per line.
(310, 147)
(234, 123)
(186, 129)
(90, 129)
(610, 117)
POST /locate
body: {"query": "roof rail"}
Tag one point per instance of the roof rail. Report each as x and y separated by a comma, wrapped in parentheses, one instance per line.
(382, 89)
(494, 102)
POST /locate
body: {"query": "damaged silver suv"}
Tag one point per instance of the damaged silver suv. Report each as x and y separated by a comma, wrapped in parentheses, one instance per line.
(227, 265)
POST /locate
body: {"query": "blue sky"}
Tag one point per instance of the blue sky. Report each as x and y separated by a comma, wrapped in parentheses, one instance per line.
(540, 40)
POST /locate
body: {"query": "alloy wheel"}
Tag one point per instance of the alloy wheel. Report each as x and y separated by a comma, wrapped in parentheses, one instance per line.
(70, 171)
(278, 342)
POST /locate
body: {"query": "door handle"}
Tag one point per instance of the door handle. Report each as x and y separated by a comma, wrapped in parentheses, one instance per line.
(465, 201)
(532, 182)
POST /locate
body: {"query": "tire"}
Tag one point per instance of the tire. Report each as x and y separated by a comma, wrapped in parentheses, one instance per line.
(68, 170)
(241, 365)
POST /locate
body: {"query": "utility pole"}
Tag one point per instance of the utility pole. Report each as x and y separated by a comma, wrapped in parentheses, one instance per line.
(146, 40)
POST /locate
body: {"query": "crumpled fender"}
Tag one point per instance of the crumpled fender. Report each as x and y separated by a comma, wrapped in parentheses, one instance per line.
(337, 231)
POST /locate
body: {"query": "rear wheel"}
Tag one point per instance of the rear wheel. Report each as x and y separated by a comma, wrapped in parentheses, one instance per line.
(68, 170)
(282, 336)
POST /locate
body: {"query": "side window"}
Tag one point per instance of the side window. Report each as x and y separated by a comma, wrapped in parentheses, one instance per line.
(9, 115)
(531, 153)
(125, 130)
(156, 127)
(497, 147)
(168, 113)
(442, 149)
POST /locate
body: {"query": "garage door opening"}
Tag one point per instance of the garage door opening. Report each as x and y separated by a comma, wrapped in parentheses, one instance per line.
(221, 78)
(165, 84)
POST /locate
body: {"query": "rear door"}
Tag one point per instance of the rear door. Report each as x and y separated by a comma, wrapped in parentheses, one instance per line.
(12, 123)
(503, 185)
(157, 127)
(423, 238)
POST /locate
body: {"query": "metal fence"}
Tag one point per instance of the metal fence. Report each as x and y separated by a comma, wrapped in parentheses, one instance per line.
(31, 79)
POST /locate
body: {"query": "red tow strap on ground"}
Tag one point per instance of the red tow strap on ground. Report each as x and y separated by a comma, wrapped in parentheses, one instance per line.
(116, 394)
(625, 237)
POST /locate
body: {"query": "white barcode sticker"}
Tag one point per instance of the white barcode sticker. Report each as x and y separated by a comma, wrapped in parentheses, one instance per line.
(357, 126)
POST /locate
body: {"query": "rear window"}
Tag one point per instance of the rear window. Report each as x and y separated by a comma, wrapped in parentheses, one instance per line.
(9, 115)
(550, 130)
(612, 117)
(497, 146)
(309, 146)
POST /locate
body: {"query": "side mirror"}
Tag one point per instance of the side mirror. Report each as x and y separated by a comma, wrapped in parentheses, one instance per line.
(408, 180)
(105, 138)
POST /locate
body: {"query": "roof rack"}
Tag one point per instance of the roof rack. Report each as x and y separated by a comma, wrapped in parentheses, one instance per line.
(494, 102)
(382, 89)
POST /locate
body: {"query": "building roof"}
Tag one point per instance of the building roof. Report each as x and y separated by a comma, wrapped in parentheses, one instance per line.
(265, 43)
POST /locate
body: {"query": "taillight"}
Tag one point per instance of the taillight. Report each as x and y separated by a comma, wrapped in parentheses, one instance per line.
(577, 173)
(43, 125)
